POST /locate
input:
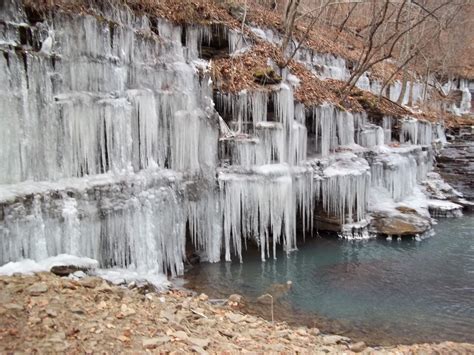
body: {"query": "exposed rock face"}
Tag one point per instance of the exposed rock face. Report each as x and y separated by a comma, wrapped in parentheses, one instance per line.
(456, 164)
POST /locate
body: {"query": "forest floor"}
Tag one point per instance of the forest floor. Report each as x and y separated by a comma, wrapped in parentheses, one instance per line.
(45, 313)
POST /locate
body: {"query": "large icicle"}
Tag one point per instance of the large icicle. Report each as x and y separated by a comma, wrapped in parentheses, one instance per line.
(332, 128)
(261, 205)
(134, 221)
(344, 190)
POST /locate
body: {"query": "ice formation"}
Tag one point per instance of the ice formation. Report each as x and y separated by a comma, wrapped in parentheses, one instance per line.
(333, 128)
(266, 196)
(345, 187)
(112, 149)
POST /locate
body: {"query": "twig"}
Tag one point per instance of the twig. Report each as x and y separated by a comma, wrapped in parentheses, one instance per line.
(198, 313)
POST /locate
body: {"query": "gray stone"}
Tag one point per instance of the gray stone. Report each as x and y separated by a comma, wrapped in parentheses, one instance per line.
(180, 335)
(358, 347)
(235, 298)
(51, 312)
(334, 339)
(265, 299)
(234, 317)
(37, 289)
(90, 282)
(203, 343)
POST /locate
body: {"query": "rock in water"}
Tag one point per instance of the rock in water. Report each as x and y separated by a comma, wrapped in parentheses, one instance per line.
(402, 224)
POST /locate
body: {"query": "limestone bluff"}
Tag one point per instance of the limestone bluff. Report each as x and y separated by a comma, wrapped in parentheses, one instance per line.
(116, 144)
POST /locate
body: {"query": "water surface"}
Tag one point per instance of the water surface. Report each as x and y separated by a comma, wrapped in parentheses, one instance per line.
(383, 292)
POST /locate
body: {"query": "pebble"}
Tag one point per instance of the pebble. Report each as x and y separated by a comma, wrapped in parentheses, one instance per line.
(180, 335)
(203, 343)
(13, 307)
(235, 298)
(234, 317)
(126, 311)
(358, 347)
(203, 297)
(51, 312)
(90, 282)
(37, 289)
(104, 287)
(334, 339)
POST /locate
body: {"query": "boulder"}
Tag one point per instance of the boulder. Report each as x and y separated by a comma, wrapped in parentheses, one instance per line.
(406, 223)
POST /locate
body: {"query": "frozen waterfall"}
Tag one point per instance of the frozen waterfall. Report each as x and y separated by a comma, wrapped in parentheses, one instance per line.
(112, 147)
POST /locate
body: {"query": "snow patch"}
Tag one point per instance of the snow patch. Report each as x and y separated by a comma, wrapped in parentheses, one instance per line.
(28, 266)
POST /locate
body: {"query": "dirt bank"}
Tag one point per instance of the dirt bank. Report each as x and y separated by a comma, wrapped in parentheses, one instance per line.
(46, 313)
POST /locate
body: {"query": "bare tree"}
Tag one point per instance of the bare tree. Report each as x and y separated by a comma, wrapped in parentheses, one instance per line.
(289, 21)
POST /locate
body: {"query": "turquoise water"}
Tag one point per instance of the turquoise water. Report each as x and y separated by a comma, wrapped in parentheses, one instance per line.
(378, 290)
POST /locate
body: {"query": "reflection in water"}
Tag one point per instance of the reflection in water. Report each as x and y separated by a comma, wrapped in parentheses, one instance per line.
(380, 291)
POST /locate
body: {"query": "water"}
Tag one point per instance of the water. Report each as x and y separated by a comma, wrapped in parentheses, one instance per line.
(383, 292)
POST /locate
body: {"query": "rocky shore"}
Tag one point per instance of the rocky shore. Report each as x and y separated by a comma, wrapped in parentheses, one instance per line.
(45, 313)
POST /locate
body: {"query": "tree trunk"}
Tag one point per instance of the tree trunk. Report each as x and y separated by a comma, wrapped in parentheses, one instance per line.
(289, 21)
(404, 87)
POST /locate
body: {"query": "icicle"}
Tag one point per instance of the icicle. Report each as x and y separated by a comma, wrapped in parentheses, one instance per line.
(298, 144)
(416, 132)
(137, 222)
(272, 137)
(236, 41)
(204, 220)
(371, 136)
(324, 128)
(387, 128)
(284, 105)
(396, 173)
(465, 105)
(255, 205)
(246, 109)
(332, 128)
(300, 113)
(194, 146)
(195, 35)
(345, 128)
(409, 131)
(344, 190)
(425, 134)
